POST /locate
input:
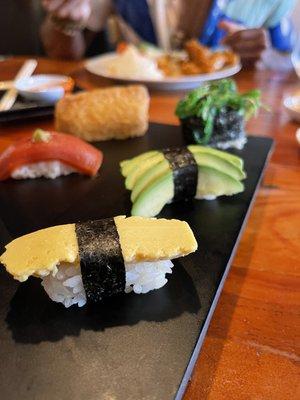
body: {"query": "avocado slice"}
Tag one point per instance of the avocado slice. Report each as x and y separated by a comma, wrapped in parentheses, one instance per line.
(148, 177)
(151, 201)
(128, 165)
(140, 168)
(220, 164)
(211, 183)
(202, 159)
(239, 162)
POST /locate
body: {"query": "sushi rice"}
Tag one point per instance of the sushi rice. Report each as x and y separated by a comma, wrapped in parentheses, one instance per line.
(65, 284)
(237, 144)
(206, 197)
(47, 169)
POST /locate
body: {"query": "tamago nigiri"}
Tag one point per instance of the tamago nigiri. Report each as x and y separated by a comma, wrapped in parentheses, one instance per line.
(90, 261)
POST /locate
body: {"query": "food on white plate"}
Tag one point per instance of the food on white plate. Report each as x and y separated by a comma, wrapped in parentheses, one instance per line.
(149, 62)
(160, 177)
(197, 59)
(118, 112)
(132, 64)
(215, 114)
(48, 154)
(87, 262)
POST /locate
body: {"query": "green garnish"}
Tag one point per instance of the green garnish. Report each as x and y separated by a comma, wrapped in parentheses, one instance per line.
(39, 135)
(208, 100)
(149, 48)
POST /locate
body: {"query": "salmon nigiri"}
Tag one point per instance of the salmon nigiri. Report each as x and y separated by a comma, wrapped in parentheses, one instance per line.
(48, 154)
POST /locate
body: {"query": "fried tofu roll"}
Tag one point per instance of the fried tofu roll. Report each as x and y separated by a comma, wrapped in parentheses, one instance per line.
(118, 112)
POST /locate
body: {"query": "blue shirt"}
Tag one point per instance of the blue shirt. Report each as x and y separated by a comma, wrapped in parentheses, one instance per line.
(269, 14)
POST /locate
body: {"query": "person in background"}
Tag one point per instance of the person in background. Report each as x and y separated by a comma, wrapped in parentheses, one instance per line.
(247, 27)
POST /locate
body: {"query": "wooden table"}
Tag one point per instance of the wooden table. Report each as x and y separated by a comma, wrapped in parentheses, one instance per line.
(250, 352)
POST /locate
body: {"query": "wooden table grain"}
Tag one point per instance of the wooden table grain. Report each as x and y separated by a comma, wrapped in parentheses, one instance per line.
(251, 351)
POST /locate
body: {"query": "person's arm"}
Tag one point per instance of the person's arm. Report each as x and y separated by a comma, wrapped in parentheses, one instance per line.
(276, 33)
(62, 30)
(58, 44)
(249, 44)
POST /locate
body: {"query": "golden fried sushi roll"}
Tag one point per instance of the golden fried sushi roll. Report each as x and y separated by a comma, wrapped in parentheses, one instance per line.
(89, 261)
(118, 112)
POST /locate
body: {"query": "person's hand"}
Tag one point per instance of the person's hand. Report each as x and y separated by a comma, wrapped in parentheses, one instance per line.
(77, 11)
(249, 44)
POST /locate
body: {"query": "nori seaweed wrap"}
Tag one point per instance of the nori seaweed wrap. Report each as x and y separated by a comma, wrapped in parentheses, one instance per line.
(101, 260)
(228, 126)
(185, 172)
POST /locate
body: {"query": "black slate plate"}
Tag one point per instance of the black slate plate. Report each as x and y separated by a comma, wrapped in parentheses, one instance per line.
(130, 347)
(23, 109)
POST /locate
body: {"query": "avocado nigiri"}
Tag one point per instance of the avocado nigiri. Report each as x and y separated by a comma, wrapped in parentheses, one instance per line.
(159, 177)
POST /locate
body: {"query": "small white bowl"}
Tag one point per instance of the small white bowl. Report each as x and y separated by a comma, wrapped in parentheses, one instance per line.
(292, 106)
(35, 88)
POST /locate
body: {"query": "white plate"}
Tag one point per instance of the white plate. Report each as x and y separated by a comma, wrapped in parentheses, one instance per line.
(97, 66)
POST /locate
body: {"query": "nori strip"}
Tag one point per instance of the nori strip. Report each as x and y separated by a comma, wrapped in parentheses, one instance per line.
(185, 172)
(101, 259)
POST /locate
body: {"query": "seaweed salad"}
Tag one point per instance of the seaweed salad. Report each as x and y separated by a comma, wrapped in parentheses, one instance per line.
(215, 114)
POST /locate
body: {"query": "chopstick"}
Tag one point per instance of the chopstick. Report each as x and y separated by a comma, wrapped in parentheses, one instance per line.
(161, 25)
(5, 85)
(10, 96)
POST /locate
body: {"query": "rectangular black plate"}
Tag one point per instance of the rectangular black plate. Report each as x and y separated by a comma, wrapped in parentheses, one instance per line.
(133, 346)
(24, 109)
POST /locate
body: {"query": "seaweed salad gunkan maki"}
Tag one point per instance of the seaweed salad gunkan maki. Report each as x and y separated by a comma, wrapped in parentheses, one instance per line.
(215, 114)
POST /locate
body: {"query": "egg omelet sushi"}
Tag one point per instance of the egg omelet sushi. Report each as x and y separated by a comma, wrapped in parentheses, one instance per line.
(87, 262)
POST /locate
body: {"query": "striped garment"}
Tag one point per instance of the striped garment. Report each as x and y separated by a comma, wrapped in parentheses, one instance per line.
(270, 14)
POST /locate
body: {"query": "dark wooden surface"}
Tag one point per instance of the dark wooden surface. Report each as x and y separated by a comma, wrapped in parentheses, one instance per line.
(252, 347)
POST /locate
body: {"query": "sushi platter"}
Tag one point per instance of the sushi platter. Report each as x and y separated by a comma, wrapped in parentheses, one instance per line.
(129, 346)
